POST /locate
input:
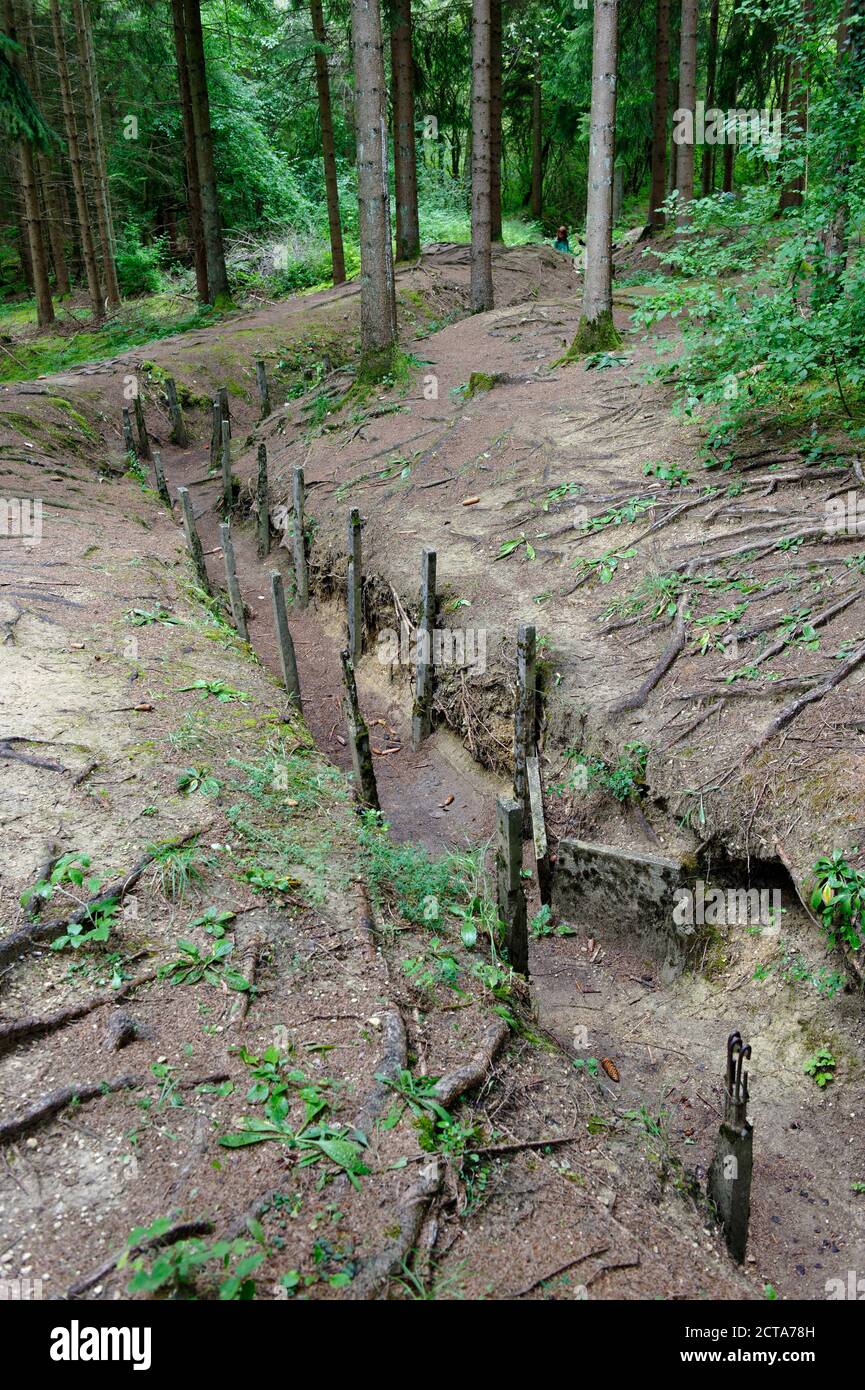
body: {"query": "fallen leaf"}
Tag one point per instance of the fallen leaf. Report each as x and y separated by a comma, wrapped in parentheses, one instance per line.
(447, 802)
(470, 501)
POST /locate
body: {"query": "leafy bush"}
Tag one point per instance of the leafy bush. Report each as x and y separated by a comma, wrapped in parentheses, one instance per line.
(138, 265)
(839, 897)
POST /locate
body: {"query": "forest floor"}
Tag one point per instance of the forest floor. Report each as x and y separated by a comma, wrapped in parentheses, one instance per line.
(98, 722)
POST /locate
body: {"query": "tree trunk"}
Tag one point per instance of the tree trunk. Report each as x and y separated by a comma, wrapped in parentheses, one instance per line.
(217, 274)
(537, 196)
(793, 193)
(193, 181)
(328, 149)
(596, 331)
(405, 169)
(481, 254)
(91, 103)
(708, 170)
(53, 209)
(687, 98)
(496, 120)
(85, 233)
(377, 294)
(659, 117)
(30, 192)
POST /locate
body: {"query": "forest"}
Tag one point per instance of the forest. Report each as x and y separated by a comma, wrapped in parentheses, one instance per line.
(432, 660)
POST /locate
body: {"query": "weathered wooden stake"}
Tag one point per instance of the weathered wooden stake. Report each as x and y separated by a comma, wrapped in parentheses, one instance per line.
(421, 721)
(286, 646)
(729, 1185)
(355, 577)
(225, 412)
(235, 597)
(128, 440)
(263, 527)
(539, 829)
(358, 738)
(179, 435)
(141, 427)
(227, 485)
(193, 540)
(524, 719)
(263, 388)
(161, 484)
(510, 896)
(215, 435)
(301, 567)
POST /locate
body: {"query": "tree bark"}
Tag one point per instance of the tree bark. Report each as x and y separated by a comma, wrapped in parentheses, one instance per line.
(793, 193)
(596, 331)
(687, 98)
(328, 149)
(88, 250)
(481, 252)
(53, 208)
(193, 180)
(377, 294)
(404, 159)
(217, 275)
(537, 197)
(708, 169)
(91, 103)
(30, 192)
(659, 117)
(496, 120)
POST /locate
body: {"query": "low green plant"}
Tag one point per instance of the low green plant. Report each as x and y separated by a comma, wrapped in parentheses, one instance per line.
(839, 897)
(197, 779)
(821, 1066)
(176, 1270)
(220, 690)
(193, 965)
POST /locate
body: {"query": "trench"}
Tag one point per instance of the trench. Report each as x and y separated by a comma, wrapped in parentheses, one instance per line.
(601, 990)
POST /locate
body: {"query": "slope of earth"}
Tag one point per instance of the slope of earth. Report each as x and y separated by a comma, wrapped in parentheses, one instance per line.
(158, 787)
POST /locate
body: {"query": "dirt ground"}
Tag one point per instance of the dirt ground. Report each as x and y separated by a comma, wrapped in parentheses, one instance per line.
(103, 700)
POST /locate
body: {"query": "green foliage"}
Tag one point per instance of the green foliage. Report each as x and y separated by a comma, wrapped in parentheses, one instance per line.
(839, 897)
(176, 1270)
(821, 1066)
(138, 265)
(625, 780)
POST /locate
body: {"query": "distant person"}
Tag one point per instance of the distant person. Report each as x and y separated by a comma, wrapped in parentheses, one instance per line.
(561, 242)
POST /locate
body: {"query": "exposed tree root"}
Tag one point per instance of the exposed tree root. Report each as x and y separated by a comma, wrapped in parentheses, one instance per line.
(668, 656)
(393, 1061)
(408, 1218)
(791, 712)
(184, 1230)
(35, 932)
(473, 1072)
(22, 1029)
(58, 1100)
(248, 968)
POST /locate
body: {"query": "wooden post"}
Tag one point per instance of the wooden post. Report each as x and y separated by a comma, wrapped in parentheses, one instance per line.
(729, 1184)
(358, 738)
(421, 721)
(215, 435)
(224, 412)
(141, 427)
(179, 435)
(286, 646)
(510, 896)
(227, 489)
(263, 388)
(301, 568)
(235, 597)
(161, 484)
(355, 576)
(524, 719)
(539, 829)
(128, 440)
(193, 540)
(263, 527)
